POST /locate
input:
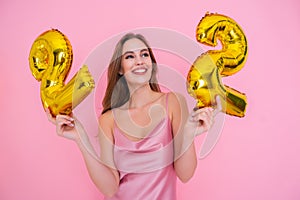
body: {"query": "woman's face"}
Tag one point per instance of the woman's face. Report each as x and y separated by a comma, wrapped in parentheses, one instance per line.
(136, 63)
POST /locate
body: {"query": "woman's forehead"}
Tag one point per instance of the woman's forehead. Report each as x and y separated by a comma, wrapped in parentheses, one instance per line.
(133, 44)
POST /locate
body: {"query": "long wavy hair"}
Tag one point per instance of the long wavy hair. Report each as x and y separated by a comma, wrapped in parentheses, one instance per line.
(117, 91)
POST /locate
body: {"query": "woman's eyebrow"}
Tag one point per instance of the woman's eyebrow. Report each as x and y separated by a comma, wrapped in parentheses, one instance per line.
(128, 52)
(144, 50)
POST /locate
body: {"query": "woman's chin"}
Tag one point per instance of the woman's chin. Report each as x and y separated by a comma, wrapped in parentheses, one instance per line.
(138, 80)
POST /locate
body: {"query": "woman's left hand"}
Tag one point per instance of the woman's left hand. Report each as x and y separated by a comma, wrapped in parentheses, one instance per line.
(201, 120)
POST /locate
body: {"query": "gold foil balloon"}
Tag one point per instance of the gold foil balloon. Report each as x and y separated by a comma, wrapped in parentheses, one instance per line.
(50, 61)
(204, 78)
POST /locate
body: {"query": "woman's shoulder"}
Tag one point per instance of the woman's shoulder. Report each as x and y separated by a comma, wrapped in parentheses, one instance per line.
(169, 96)
(106, 117)
(175, 98)
(106, 121)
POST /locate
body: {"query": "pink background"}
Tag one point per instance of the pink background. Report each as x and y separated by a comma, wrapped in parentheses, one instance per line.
(256, 156)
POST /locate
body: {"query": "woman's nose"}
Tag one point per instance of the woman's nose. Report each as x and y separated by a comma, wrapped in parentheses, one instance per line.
(139, 60)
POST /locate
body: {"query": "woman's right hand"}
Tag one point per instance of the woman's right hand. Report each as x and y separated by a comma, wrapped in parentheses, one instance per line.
(65, 125)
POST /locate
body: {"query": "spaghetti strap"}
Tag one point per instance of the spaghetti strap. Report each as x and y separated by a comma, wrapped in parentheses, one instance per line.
(167, 106)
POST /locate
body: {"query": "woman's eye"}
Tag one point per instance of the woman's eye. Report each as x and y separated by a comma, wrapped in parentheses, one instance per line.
(128, 56)
(145, 55)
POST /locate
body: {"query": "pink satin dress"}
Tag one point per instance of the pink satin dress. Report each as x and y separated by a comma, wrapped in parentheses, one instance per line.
(146, 166)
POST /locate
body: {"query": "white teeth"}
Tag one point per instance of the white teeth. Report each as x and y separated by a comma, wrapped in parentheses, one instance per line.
(140, 70)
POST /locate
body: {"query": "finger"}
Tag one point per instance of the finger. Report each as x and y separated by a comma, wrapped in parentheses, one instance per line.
(201, 116)
(64, 117)
(49, 116)
(211, 122)
(63, 126)
(196, 108)
(219, 106)
(206, 113)
(219, 103)
(64, 122)
(201, 110)
(203, 126)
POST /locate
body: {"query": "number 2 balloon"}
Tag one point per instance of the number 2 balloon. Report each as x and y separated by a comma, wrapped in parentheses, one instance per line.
(204, 78)
(50, 61)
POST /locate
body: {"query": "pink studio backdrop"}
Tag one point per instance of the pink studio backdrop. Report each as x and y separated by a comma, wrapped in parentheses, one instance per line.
(256, 156)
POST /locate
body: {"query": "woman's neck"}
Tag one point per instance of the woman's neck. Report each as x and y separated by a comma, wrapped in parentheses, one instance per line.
(141, 96)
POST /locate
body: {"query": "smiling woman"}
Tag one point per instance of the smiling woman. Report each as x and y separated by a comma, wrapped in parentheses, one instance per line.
(136, 64)
(146, 136)
(126, 54)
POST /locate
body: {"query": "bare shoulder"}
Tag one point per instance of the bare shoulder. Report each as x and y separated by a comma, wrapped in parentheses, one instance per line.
(106, 122)
(176, 104)
(107, 117)
(177, 110)
(175, 99)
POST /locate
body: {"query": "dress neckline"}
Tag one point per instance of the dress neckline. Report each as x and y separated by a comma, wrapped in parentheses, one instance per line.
(164, 121)
(150, 134)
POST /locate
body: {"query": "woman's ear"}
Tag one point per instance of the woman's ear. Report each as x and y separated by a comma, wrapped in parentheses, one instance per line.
(120, 72)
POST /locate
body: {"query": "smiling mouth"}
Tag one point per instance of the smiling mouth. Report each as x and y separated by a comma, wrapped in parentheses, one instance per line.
(140, 70)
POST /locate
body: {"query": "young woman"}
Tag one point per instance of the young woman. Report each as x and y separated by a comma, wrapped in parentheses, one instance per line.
(146, 136)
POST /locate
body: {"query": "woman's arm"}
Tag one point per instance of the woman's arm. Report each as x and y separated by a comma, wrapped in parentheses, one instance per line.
(184, 150)
(104, 176)
(185, 127)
